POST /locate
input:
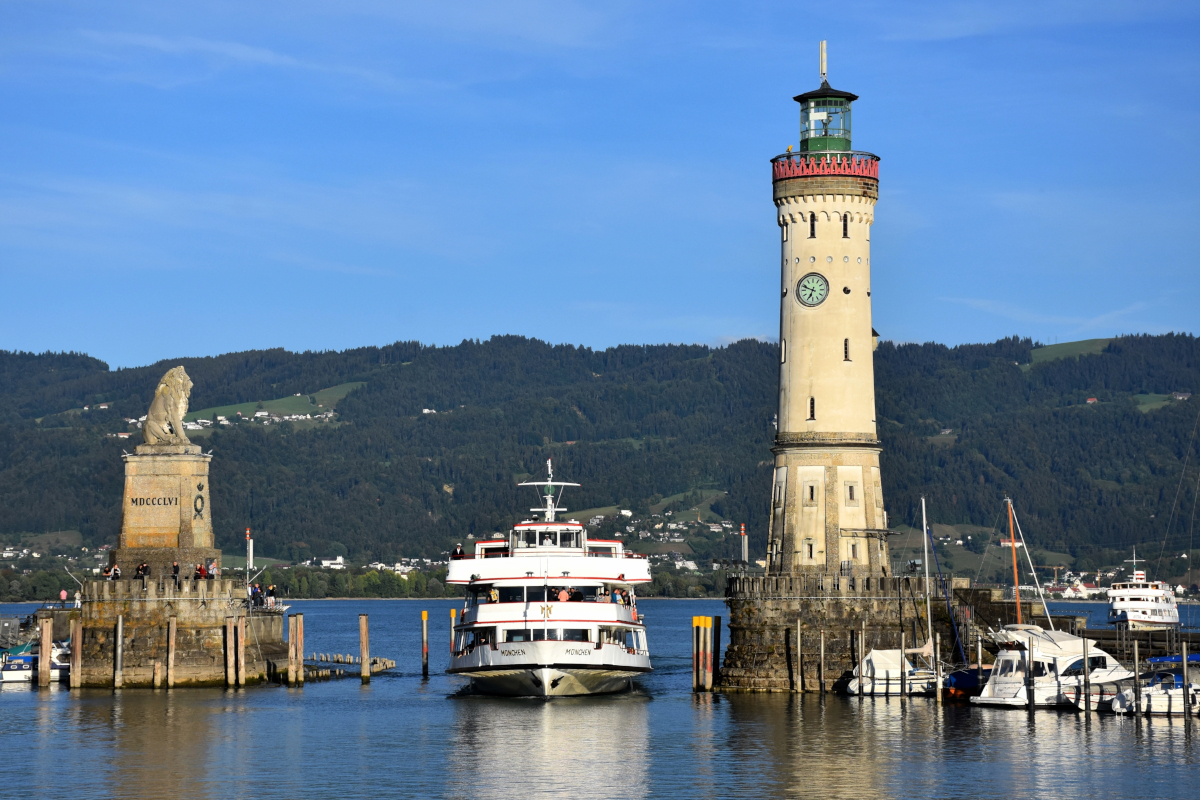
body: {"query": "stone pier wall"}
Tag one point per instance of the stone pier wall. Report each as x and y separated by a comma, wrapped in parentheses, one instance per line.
(776, 624)
(199, 608)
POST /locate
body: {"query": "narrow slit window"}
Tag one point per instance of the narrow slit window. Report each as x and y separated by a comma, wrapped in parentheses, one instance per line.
(809, 548)
(845, 349)
(783, 351)
(785, 230)
(854, 552)
(812, 493)
(812, 408)
(845, 226)
(812, 226)
(851, 492)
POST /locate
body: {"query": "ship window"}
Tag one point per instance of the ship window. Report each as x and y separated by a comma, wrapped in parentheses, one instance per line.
(512, 594)
(530, 538)
(549, 634)
(536, 594)
(1041, 669)
(576, 635)
(521, 635)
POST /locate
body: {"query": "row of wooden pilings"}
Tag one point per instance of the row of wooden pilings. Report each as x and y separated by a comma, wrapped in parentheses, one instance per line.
(706, 652)
(162, 673)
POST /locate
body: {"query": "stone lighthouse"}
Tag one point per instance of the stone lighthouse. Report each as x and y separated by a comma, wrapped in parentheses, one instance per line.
(827, 512)
(827, 596)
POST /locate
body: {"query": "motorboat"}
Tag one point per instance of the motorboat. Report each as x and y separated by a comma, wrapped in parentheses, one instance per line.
(1055, 659)
(20, 664)
(549, 611)
(881, 676)
(1165, 692)
(963, 684)
(1142, 605)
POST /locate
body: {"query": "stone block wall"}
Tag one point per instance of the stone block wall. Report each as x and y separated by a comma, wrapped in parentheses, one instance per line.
(776, 625)
(199, 608)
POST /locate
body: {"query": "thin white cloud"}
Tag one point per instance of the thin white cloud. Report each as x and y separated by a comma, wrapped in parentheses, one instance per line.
(226, 53)
(1022, 314)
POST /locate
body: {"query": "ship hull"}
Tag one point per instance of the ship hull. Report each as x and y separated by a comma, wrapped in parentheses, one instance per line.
(550, 681)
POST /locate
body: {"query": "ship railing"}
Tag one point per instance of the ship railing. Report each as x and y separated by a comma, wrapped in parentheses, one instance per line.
(547, 552)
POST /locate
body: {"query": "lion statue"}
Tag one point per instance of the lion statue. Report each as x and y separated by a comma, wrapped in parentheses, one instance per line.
(164, 420)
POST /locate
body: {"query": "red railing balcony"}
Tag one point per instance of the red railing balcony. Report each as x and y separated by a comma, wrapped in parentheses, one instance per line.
(839, 162)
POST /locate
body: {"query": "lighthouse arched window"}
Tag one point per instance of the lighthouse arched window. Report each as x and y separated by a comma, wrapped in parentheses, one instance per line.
(845, 226)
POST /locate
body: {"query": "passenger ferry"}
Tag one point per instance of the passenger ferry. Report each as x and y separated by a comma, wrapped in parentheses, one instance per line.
(1140, 604)
(549, 611)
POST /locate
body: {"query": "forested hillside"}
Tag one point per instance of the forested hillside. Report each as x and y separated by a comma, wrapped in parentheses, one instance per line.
(633, 424)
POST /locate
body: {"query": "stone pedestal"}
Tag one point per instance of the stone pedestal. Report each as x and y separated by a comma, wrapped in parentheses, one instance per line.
(165, 516)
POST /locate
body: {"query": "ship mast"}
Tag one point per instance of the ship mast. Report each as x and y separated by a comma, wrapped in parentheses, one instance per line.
(551, 506)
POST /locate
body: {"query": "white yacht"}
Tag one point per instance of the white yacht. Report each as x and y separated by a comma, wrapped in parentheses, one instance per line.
(1056, 659)
(1165, 693)
(1142, 605)
(549, 612)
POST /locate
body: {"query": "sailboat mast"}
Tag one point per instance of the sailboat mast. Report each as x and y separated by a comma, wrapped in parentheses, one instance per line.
(1012, 540)
(925, 561)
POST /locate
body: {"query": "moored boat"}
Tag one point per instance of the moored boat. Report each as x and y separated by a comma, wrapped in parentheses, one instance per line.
(20, 664)
(1056, 661)
(1165, 693)
(549, 611)
(881, 676)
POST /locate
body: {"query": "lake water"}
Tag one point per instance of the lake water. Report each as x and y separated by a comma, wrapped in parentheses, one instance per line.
(401, 736)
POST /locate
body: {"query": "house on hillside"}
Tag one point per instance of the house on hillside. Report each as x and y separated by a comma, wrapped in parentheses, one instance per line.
(1091, 400)
(1181, 395)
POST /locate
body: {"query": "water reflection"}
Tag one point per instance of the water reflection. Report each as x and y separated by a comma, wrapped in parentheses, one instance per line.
(404, 736)
(575, 747)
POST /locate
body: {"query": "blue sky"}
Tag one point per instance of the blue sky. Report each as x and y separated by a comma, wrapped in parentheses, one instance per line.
(191, 179)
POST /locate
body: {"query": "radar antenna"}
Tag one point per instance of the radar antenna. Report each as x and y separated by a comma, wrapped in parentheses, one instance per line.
(551, 506)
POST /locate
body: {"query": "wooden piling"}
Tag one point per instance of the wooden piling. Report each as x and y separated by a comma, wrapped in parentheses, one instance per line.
(1087, 680)
(453, 617)
(1137, 678)
(903, 671)
(241, 651)
(291, 651)
(862, 647)
(706, 639)
(937, 664)
(821, 665)
(364, 649)
(300, 649)
(119, 653)
(979, 660)
(799, 658)
(1187, 690)
(230, 650)
(172, 624)
(76, 678)
(424, 644)
(158, 674)
(716, 651)
(45, 650)
(1029, 698)
(695, 654)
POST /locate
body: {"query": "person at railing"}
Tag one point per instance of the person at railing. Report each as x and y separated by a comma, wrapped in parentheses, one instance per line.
(458, 551)
(199, 574)
(493, 595)
(78, 599)
(115, 575)
(564, 594)
(576, 595)
(271, 596)
(175, 572)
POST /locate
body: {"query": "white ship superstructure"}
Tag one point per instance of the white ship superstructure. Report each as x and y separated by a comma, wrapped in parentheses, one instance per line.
(549, 612)
(1139, 604)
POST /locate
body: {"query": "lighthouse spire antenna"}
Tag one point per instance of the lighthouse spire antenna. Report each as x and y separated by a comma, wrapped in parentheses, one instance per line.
(824, 65)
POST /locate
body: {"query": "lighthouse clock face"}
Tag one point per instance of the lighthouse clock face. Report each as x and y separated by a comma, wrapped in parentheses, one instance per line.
(812, 289)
